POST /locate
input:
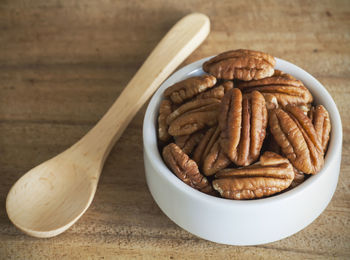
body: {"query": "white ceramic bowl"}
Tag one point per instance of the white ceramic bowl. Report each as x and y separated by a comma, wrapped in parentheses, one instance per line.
(248, 222)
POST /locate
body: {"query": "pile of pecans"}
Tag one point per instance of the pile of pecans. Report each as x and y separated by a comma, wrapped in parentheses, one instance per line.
(244, 130)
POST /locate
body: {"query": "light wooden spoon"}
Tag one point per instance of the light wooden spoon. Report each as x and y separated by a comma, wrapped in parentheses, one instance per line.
(51, 197)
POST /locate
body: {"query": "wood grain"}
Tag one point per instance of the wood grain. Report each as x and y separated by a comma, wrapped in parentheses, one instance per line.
(63, 63)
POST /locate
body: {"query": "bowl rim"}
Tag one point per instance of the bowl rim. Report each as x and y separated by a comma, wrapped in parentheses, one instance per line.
(151, 148)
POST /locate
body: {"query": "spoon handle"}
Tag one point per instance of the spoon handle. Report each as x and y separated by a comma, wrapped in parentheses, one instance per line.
(183, 38)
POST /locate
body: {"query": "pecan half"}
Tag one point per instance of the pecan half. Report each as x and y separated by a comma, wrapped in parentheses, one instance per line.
(215, 160)
(320, 118)
(272, 174)
(209, 154)
(185, 168)
(204, 146)
(286, 89)
(193, 121)
(216, 92)
(296, 135)
(241, 64)
(188, 88)
(188, 142)
(242, 121)
(164, 112)
(197, 105)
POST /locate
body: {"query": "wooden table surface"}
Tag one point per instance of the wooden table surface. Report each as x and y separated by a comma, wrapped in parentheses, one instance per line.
(63, 63)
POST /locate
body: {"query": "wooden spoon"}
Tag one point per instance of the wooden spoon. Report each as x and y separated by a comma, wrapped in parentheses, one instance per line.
(51, 197)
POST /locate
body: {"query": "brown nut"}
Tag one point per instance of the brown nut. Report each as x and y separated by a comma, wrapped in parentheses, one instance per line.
(188, 142)
(205, 144)
(188, 88)
(193, 121)
(286, 89)
(164, 112)
(215, 160)
(271, 175)
(320, 118)
(197, 105)
(242, 121)
(216, 92)
(241, 64)
(185, 168)
(296, 135)
(209, 154)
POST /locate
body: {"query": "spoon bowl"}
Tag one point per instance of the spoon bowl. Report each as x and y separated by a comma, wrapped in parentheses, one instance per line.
(51, 197)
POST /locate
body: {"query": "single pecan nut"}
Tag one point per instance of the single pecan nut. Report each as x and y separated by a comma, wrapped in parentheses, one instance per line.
(215, 160)
(242, 121)
(205, 144)
(185, 168)
(188, 142)
(320, 118)
(216, 92)
(241, 64)
(191, 122)
(197, 105)
(209, 154)
(188, 88)
(164, 112)
(272, 174)
(286, 89)
(296, 135)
